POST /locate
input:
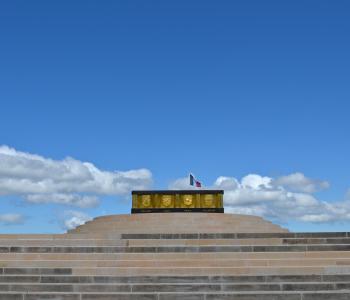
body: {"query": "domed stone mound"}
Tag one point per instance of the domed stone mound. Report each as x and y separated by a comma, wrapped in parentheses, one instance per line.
(178, 223)
(172, 256)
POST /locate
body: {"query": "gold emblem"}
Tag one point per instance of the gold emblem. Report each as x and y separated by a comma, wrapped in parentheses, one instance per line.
(208, 200)
(166, 200)
(187, 200)
(146, 200)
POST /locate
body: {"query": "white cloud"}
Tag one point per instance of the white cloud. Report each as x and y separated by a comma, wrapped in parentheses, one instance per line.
(74, 218)
(256, 182)
(181, 184)
(69, 181)
(299, 183)
(280, 199)
(11, 219)
(68, 199)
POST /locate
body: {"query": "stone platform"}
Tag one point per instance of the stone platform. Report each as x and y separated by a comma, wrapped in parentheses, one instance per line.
(176, 256)
(177, 223)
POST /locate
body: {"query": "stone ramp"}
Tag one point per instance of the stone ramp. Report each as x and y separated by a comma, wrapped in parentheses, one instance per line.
(91, 264)
(177, 222)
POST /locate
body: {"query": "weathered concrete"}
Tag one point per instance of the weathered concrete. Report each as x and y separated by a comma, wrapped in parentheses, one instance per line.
(178, 223)
(176, 256)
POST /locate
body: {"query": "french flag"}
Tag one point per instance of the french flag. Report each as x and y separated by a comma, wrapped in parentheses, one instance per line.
(194, 181)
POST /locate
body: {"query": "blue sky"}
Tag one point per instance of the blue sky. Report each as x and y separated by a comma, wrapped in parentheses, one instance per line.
(217, 88)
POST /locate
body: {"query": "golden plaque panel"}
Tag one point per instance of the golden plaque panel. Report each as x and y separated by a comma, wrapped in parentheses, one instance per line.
(208, 201)
(187, 201)
(167, 201)
(177, 201)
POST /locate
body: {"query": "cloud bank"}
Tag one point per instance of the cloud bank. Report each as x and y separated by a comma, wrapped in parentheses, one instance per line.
(11, 219)
(282, 199)
(74, 218)
(69, 181)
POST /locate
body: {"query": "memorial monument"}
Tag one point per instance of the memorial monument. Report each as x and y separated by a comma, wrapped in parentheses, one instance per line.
(177, 201)
(176, 245)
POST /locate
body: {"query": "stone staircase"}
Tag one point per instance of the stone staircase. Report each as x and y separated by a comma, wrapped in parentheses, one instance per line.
(102, 261)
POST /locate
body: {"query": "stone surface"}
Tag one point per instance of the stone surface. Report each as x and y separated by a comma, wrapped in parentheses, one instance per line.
(175, 223)
(176, 256)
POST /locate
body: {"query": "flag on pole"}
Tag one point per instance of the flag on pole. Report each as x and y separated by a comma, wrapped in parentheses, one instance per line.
(194, 181)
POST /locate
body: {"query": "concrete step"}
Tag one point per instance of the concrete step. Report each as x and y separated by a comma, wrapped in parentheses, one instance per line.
(175, 255)
(321, 262)
(160, 249)
(180, 271)
(42, 278)
(270, 295)
(178, 222)
(233, 235)
(171, 287)
(171, 242)
(63, 242)
(213, 271)
(140, 242)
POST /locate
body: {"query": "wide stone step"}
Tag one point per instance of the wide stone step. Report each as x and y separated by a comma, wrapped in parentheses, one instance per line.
(262, 235)
(180, 271)
(213, 271)
(160, 249)
(252, 241)
(170, 242)
(176, 263)
(171, 287)
(178, 222)
(270, 295)
(63, 242)
(174, 256)
(173, 279)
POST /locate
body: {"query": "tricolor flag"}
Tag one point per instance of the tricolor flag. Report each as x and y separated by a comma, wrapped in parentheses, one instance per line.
(194, 181)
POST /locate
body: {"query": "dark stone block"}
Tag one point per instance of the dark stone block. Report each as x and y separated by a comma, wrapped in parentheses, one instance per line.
(189, 236)
(208, 235)
(338, 241)
(20, 279)
(180, 288)
(51, 297)
(328, 248)
(101, 288)
(118, 297)
(112, 279)
(170, 236)
(11, 297)
(342, 286)
(338, 277)
(326, 296)
(236, 279)
(24, 249)
(38, 271)
(5, 287)
(66, 279)
(28, 288)
(317, 241)
(293, 278)
(4, 249)
(181, 297)
(250, 287)
(264, 235)
(320, 234)
(295, 248)
(182, 279)
(307, 287)
(253, 296)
